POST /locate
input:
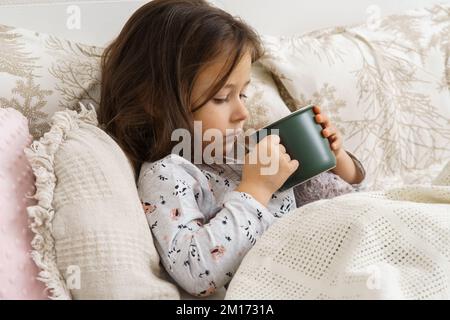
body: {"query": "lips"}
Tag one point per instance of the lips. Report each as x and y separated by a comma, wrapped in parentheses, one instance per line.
(233, 132)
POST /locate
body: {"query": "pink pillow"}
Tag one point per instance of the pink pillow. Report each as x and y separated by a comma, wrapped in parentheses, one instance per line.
(18, 271)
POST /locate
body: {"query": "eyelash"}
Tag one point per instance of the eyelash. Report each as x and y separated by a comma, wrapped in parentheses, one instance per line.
(220, 101)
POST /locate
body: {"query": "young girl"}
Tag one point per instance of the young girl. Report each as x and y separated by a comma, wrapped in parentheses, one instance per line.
(180, 61)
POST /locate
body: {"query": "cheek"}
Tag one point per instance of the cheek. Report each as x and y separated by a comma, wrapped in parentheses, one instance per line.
(213, 116)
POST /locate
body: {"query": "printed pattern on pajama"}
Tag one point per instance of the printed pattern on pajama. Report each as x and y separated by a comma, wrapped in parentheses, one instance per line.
(202, 228)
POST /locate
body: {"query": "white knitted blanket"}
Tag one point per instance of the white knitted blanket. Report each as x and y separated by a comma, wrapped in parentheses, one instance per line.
(392, 244)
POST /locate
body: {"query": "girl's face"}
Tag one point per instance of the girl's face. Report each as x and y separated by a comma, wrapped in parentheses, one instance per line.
(226, 110)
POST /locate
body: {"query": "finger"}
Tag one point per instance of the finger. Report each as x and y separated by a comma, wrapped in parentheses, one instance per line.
(332, 129)
(274, 138)
(322, 119)
(336, 144)
(338, 135)
(287, 157)
(282, 148)
(334, 138)
(269, 140)
(329, 131)
(316, 109)
(294, 164)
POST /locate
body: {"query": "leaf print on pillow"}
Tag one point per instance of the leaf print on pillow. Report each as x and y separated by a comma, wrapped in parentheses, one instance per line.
(385, 87)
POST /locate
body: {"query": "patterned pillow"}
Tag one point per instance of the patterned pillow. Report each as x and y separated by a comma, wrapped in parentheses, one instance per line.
(41, 74)
(386, 87)
(92, 239)
(264, 103)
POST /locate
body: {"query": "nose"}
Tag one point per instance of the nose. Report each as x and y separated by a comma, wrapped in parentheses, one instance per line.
(240, 112)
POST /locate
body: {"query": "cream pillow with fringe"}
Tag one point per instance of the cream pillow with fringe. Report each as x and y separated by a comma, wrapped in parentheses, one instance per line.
(91, 237)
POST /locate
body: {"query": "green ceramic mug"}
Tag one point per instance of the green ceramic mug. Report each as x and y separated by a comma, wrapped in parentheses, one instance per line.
(302, 137)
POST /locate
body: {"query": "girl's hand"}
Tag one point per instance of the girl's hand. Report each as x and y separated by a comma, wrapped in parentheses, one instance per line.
(345, 167)
(329, 131)
(271, 168)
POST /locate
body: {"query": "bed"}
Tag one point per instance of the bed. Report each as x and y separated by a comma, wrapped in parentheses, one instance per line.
(385, 82)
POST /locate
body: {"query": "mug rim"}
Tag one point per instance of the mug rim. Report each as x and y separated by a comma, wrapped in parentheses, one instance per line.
(301, 110)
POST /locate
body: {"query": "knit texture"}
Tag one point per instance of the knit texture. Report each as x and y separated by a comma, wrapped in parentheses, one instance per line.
(392, 244)
(91, 237)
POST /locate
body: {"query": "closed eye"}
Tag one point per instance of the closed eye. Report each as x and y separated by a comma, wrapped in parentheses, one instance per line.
(220, 101)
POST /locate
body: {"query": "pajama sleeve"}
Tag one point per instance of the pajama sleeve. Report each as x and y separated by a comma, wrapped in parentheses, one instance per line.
(200, 245)
(327, 185)
(362, 186)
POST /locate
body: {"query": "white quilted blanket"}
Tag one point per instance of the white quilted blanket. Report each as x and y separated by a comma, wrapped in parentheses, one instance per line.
(392, 244)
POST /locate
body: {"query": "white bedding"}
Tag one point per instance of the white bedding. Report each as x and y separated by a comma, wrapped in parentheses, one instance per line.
(393, 244)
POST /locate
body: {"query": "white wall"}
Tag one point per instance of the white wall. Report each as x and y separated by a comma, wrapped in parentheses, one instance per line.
(101, 20)
(287, 17)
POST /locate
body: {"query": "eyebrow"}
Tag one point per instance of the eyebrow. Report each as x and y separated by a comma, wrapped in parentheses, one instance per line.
(232, 85)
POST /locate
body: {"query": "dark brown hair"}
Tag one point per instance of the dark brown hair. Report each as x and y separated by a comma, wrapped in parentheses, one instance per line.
(149, 70)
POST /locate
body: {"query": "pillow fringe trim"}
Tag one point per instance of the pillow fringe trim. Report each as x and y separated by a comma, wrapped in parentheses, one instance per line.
(40, 155)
